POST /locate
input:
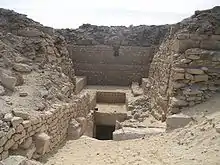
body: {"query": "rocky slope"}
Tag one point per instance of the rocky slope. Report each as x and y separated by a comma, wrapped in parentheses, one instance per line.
(120, 35)
(35, 71)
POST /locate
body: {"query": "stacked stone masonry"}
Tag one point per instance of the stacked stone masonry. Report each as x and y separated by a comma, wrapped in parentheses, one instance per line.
(101, 67)
(184, 72)
(28, 136)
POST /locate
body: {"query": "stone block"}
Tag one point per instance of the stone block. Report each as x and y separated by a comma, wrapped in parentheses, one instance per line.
(7, 81)
(202, 77)
(21, 113)
(26, 123)
(9, 144)
(42, 142)
(15, 121)
(3, 140)
(74, 130)
(177, 121)
(127, 133)
(27, 143)
(22, 67)
(178, 76)
(175, 102)
(182, 45)
(217, 128)
(83, 123)
(194, 71)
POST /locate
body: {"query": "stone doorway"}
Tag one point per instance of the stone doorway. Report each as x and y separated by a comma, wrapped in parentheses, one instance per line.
(104, 132)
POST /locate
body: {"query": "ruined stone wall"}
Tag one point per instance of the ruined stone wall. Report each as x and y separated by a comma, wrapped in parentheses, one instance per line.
(22, 138)
(186, 69)
(102, 67)
(184, 72)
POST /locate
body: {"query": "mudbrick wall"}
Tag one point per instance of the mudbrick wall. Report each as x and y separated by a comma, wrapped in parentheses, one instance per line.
(33, 137)
(186, 69)
(102, 67)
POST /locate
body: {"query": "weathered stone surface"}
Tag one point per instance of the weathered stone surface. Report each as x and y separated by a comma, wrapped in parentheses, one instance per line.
(83, 124)
(74, 129)
(9, 144)
(26, 123)
(19, 160)
(7, 81)
(178, 76)
(177, 121)
(22, 67)
(8, 117)
(195, 71)
(2, 90)
(135, 133)
(177, 102)
(136, 89)
(21, 113)
(199, 78)
(3, 140)
(27, 143)
(15, 121)
(42, 142)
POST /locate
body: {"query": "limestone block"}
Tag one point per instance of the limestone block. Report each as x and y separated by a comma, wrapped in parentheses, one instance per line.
(178, 76)
(182, 36)
(182, 45)
(15, 121)
(19, 136)
(26, 123)
(9, 144)
(27, 143)
(3, 140)
(8, 117)
(189, 76)
(19, 128)
(179, 70)
(42, 142)
(10, 133)
(199, 78)
(177, 85)
(21, 113)
(74, 129)
(28, 153)
(134, 133)
(22, 67)
(193, 57)
(136, 89)
(177, 121)
(210, 44)
(5, 155)
(7, 81)
(194, 71)
(83, 123)
(175, 102)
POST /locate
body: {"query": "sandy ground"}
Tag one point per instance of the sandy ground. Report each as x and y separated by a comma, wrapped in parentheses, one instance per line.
(196, 144)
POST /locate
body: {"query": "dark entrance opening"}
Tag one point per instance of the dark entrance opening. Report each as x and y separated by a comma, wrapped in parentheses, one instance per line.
(104, 132)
